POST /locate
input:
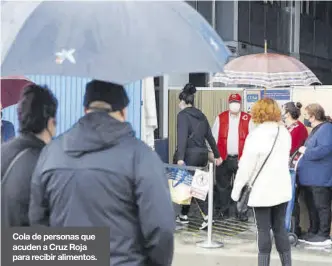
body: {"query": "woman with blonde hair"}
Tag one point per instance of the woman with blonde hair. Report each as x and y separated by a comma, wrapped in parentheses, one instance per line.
(264, 167)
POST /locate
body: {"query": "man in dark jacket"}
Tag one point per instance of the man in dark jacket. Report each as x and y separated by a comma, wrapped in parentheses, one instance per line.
(99, 174)
(36, 115)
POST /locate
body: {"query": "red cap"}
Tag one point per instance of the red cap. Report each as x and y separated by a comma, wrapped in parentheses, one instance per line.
(235, 98)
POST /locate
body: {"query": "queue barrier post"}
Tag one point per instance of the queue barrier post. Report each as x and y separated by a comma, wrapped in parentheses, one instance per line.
(209, 243)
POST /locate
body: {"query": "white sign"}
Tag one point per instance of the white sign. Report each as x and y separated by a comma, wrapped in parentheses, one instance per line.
(282, 96)
(200, 185)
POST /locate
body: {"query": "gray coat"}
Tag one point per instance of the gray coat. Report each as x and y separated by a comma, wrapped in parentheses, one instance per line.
(99, 174)
(15, 187)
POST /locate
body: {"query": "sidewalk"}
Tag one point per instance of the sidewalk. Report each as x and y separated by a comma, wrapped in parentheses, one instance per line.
(240, 248)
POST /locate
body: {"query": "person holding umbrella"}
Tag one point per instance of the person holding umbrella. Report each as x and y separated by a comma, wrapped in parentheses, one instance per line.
(109, 178)
(230, 131)
(37, 126)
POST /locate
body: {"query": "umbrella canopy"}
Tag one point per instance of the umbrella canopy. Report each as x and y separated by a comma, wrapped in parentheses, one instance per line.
(266, 70)
(119, 41)
(11, 88)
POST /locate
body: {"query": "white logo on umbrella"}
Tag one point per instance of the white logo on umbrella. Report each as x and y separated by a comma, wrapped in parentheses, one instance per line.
(65, 54)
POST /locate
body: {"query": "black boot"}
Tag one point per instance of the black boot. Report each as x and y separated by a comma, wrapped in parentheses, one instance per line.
(286, 258)
(263, 259)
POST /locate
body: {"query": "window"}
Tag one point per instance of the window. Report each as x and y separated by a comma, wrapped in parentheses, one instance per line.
(271, 2)
(330, 16)
(192, 4)
(321, 8)
(205, 9)
(305, 7)
(311, 8)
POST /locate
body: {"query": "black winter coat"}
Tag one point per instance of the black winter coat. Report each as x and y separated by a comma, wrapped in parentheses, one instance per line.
(99, 174)
(193, 130)
(15, 189)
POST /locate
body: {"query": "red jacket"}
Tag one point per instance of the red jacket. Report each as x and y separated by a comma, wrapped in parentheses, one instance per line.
(299, 135)
(223, 132)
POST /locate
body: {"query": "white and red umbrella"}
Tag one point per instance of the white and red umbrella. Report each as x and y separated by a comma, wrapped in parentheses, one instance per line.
(266, 70)
(11, 89)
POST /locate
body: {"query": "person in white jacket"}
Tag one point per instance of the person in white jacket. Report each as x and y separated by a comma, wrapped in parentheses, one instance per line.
(272, 189)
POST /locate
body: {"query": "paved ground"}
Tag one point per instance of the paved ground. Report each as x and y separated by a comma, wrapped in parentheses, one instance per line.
(239, 249)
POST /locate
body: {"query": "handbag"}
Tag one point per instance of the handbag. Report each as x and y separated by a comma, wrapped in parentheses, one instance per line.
(242, 204)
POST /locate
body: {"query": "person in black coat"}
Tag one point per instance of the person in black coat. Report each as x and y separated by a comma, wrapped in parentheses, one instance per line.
(36, 114)
(99, 174)
(193, 130)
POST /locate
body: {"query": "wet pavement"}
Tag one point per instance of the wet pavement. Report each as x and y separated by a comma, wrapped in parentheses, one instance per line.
(240, 247)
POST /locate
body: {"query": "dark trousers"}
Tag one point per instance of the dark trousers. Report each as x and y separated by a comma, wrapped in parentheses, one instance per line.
(322, 197)
(268, 218)
(312, 210)
(225, 175)
(196, 158)
(296, 228)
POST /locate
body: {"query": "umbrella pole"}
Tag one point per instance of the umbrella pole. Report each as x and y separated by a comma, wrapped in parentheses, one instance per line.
(265, 51)
(265, 46)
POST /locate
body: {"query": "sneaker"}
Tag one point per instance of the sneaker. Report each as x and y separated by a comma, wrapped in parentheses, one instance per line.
(182, 219)
(319, 241)
(242, 217)
(205, 224)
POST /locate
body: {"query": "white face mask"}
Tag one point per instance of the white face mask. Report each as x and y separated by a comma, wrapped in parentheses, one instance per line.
(235, 107)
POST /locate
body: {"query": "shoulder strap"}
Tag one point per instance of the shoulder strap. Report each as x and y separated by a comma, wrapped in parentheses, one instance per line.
(11, 165)
(267, 157)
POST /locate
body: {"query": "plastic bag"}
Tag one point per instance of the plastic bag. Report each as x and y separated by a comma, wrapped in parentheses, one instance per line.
(180, 186)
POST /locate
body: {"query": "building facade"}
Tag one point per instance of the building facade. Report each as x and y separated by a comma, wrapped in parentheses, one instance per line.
(298, 28)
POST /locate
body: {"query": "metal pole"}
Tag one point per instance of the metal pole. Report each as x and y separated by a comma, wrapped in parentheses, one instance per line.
(213, 24)
(164, 103)
(297, 26)
(210, 204)
(291, 28)
(213, 16)
(209, 243)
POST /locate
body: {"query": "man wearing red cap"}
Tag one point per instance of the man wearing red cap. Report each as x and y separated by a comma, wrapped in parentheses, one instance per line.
(230, 131)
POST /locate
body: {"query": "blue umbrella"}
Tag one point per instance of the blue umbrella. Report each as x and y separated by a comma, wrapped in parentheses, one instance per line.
(119, 41)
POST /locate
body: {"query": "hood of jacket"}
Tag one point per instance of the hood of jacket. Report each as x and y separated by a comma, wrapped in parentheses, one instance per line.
(94, 132)
(194, 112)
